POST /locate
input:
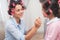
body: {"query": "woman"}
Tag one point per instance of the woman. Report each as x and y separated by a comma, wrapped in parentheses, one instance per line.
(53, 26)
(15, 28)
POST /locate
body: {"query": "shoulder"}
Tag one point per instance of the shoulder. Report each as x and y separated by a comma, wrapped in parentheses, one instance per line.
(9, 22)
(56, 24)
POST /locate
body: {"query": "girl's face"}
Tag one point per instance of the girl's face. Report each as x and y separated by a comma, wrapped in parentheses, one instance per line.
(50, 16)
(18, 11)
(44, 13)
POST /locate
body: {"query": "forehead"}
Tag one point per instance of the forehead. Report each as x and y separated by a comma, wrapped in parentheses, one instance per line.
(18, 6)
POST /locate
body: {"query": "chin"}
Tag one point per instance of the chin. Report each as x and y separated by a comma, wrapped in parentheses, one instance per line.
(20, 17)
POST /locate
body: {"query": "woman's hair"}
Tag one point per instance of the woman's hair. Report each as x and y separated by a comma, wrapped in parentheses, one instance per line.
(12, 5)
(53, 6)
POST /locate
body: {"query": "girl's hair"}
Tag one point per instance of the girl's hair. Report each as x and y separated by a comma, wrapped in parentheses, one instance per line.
(54, 1)
(46, 6)
(12, 5)
(42, 1)
(53, 6)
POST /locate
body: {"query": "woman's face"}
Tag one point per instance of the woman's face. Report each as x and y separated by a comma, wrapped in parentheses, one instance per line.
(18, 11)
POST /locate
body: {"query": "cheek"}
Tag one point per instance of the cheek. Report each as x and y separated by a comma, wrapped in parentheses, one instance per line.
(44, 14)
(18, 14)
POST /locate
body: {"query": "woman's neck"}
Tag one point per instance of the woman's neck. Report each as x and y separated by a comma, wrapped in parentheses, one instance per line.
(17, 20)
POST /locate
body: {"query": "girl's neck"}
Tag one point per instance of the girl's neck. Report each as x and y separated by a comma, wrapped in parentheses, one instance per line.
(51, 18)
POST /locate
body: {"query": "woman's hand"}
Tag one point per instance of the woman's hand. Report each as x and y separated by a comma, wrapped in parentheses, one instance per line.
(31, 33)
(38, 22)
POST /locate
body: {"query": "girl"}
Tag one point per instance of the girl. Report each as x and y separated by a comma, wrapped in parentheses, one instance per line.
(53, 26)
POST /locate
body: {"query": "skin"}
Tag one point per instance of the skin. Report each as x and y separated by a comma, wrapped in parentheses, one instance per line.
(18, 14)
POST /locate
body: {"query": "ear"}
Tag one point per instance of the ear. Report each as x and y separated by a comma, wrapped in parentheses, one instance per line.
(45, 15)
(59, 3)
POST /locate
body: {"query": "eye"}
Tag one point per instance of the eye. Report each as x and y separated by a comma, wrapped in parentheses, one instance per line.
(18, 10)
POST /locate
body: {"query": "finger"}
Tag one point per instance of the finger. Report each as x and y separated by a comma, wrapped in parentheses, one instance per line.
(39, 17)
(39, 21)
